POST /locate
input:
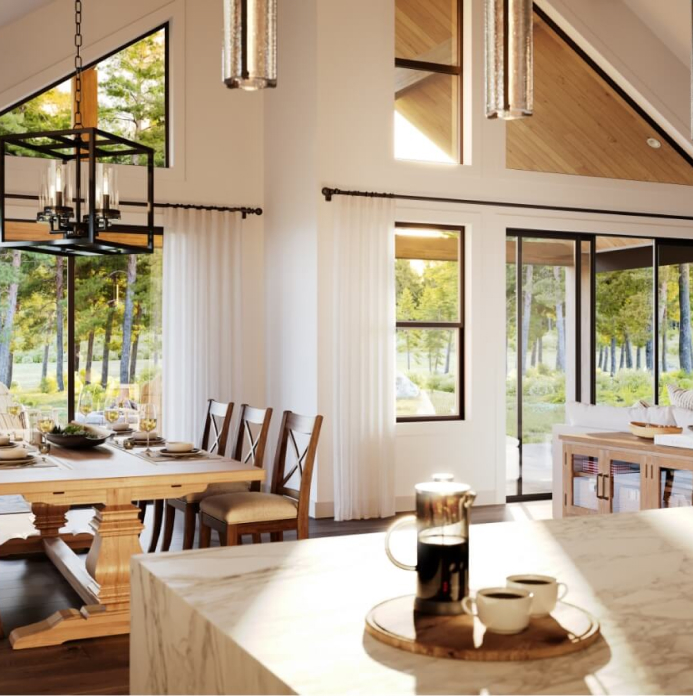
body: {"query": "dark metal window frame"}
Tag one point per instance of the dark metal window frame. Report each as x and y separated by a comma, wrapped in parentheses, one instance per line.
(167, 106)
(657, 244)
(458, 325)
(444, 69)
(589, 238)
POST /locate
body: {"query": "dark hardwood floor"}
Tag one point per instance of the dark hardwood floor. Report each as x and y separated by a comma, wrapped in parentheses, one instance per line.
(31, 589)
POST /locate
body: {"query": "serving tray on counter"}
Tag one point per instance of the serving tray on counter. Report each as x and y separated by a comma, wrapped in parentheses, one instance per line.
(568, 629)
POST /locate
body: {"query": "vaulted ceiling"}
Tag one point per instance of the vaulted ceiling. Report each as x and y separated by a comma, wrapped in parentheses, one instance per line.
(582, 126)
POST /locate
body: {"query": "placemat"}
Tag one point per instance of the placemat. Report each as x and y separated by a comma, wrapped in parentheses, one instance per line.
(49, 463)
(155, 458)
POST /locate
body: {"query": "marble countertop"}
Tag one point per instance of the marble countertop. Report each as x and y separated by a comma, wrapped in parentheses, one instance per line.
(289, 617)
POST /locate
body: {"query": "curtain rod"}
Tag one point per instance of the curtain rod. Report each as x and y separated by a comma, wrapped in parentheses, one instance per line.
(243, 210)
(330, 192)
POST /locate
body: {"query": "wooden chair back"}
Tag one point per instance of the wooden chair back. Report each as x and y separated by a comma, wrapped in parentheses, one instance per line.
(293, 424)
(255, 453)
(217, 427)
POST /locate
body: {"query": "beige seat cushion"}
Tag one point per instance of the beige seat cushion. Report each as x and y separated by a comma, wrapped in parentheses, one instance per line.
(218, 489)
(238, 508)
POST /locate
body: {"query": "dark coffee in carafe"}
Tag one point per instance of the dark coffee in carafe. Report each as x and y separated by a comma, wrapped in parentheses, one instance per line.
(442, 568)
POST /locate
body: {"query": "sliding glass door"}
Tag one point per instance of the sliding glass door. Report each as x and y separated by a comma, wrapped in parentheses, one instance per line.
(544, 279)
(594, 318)
(675, 344)
(624, 320)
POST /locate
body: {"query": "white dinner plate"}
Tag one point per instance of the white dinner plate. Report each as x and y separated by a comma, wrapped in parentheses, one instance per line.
(29, 459)
(152, 441)
(190, 453)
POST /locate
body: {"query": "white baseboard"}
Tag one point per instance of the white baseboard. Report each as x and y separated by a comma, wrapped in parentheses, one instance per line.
(403, 503)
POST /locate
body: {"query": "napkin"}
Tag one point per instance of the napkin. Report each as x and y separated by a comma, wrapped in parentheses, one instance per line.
(13, 453)
(141, 435)
(180, 446)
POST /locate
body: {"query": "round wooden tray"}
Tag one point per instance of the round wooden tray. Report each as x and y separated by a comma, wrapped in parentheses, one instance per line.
(649, 431)
(569, 629)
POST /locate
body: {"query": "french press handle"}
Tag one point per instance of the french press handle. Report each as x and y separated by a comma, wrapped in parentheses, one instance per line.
(395, 525)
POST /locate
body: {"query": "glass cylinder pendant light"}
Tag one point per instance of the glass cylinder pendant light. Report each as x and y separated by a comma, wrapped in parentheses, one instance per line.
(509, 59)
(250, 44)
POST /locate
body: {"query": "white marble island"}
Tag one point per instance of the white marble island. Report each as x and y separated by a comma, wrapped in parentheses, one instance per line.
(289, 617)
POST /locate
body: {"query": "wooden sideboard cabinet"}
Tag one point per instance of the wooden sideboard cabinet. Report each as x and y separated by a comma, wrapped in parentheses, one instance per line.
(618, 472)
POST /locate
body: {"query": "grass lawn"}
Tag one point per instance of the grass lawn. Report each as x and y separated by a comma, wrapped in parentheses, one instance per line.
(443, 404)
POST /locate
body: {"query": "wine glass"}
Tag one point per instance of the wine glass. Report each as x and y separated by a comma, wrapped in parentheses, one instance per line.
(148, 421)
(86, 403)
(46, 423)
(112, 411)
(15, 407)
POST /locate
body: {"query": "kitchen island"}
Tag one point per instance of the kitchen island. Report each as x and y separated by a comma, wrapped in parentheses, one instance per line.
(289, 617)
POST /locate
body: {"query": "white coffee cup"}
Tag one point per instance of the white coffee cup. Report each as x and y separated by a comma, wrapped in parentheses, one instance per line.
(501, 609)
(5, 439)
(546, 590)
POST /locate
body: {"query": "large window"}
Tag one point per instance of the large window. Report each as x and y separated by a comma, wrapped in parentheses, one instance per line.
(124, 93)
(116, 313)
(640, 352)
(428, 80)
(430, 328)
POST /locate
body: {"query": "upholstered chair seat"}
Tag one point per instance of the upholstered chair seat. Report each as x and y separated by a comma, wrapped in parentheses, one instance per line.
(217, 489)
(239, 508)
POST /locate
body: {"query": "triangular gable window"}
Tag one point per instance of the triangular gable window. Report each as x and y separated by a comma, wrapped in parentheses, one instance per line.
(124, 93)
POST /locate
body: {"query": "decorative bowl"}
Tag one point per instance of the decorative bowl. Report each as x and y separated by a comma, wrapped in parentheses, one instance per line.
(648, 431)
(76, 441)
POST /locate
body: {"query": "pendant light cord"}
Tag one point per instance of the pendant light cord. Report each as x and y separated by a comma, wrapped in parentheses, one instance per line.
(78, 63)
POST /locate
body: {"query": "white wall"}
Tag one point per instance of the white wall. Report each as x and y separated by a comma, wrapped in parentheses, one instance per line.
(217, 133)
(291, 228)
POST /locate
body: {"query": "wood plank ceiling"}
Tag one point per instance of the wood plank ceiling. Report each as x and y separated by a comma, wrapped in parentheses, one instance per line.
(582, 126)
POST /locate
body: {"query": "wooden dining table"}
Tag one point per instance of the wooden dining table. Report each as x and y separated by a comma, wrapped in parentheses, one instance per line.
(110, 479)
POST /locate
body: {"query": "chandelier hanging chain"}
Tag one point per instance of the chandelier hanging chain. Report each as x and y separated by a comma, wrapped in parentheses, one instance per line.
(78, 64)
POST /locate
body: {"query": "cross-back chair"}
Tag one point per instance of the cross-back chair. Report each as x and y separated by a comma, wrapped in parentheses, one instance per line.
(284, 509)
(248, 447)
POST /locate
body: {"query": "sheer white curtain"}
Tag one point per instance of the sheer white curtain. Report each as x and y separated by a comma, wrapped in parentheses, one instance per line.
(364, 357)
(201, 316)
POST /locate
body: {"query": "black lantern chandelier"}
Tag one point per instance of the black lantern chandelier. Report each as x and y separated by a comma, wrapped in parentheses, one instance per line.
(78, 197)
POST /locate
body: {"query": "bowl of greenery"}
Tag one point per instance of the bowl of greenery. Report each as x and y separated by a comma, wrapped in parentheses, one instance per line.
(75, 437)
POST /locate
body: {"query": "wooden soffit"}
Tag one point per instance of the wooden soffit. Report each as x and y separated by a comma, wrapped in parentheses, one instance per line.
(583, 126)
(29, 231)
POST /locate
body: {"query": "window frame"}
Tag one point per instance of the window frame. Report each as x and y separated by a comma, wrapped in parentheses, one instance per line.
(458, 325)
(442, 68)
(166, 26)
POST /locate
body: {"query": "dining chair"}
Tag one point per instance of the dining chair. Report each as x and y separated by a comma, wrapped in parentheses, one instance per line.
(214, 438)
(284, 509)
(249, 446)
